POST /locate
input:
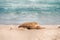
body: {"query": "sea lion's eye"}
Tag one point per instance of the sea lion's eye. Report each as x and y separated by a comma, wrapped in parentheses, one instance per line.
(28, 28)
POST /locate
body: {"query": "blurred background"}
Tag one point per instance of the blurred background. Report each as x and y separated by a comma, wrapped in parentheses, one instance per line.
(45, 12)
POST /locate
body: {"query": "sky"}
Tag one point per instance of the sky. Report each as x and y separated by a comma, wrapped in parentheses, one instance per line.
(46, 12)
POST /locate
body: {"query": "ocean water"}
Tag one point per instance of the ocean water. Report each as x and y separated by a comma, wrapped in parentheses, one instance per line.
(46, 12)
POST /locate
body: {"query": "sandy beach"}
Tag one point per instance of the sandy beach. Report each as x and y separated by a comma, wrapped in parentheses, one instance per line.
(11, 32)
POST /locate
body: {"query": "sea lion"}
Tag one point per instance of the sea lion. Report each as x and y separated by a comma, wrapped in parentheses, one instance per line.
(30, 25)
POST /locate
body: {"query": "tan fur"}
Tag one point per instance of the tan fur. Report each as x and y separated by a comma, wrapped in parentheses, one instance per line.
(59, 27)
(30, 25)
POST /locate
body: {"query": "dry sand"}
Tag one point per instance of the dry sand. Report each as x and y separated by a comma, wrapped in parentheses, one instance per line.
(11, 32)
